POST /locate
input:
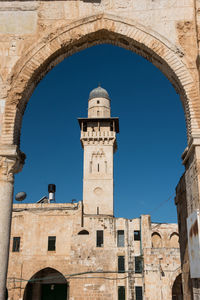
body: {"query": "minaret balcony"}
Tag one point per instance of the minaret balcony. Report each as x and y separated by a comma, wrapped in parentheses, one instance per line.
(98, 135)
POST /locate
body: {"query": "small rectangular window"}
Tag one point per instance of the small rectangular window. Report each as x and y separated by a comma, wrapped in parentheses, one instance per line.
(121, 264)
(138, 264)
(136, 235)
(84, 126)
(16, 244)
(121, 292)
(120, 238)
(138, 293)
(52, 243)
(99, 238)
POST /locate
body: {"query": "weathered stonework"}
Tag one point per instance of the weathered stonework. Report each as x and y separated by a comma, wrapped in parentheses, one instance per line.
(37, 35)
(76, 254)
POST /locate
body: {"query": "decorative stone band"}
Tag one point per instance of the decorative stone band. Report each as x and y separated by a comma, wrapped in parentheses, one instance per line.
(98, 141)
(11, 162)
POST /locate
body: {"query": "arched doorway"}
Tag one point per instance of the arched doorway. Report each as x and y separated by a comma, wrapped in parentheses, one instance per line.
(47, 284)
(177, 291)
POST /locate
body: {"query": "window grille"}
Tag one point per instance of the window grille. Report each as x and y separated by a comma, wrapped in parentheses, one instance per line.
(51, 243)
(121, 264)
(136, 235)
(138, 264)
(138, 293)
(99, 238)
(16, 244)
(121, 293)
(120, 238)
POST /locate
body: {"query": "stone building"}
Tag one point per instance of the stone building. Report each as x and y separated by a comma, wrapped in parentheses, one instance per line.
(37, 35)
(80, 251)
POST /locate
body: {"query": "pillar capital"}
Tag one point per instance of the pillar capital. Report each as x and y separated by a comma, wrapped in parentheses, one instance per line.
(11, 162)
(189, 150)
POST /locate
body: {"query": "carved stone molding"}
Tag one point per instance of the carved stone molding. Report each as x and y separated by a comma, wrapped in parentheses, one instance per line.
(10, 165)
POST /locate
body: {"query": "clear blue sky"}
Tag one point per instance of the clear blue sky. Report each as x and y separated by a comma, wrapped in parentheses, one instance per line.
(147, 165)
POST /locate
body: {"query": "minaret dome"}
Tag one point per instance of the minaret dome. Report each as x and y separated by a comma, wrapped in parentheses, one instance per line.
(99, 103)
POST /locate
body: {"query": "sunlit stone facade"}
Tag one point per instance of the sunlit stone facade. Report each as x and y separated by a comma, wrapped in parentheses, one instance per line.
(80, 251)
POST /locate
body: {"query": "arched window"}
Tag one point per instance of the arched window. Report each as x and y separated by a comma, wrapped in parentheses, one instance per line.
(156, 240)
(83, 232)
(174, 240)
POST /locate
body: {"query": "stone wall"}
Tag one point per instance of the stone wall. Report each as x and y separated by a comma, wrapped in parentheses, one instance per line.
(79, 254)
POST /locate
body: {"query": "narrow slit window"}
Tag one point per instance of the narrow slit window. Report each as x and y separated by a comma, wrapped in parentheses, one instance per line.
(99, 242)
(120, 238)
(97, 167)
(138, 264)
(84, 126)
(52, 243)
(138, 293)
(121, 264)
(16, 244)
(121, 293)
(98, 113)
(90, 166)
(137, 235)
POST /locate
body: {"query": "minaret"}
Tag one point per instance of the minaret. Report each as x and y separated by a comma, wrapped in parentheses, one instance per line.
(98, 139)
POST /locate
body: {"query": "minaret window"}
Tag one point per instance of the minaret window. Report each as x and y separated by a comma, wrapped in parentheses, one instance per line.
(84, 126)
(97, 167)
(90, 166)
(98, 113)
(98, 102)
(105, 166)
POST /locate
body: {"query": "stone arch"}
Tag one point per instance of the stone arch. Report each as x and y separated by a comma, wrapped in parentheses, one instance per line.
(176, 285)
(102, 28)
(174, 240)
(45, 281)
(156, 240)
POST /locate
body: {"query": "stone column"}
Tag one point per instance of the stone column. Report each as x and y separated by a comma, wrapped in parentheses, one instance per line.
(188, 200)
(11, 162)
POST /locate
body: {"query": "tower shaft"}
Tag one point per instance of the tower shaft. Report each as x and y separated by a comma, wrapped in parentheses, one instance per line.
(98, 139)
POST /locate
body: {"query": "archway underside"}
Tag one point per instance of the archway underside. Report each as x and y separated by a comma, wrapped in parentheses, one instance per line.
(46, 284)
(85, 33)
